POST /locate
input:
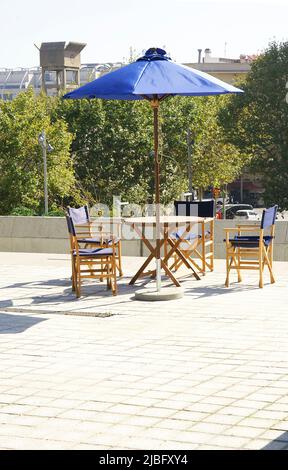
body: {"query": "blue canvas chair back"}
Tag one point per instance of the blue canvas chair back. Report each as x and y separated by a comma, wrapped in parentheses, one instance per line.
(195, 208)
(70, 225)
(79, 215)
(268, 217)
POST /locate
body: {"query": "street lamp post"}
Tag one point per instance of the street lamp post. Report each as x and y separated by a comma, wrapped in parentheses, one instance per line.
(45, 147)
(190, 143)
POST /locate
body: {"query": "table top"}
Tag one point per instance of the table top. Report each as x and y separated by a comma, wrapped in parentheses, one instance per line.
(166, 219)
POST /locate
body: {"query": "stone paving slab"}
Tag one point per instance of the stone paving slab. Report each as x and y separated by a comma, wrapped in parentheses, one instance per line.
(209, 371)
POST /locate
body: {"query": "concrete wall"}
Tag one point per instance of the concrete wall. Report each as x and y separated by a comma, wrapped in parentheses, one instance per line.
(49, 235)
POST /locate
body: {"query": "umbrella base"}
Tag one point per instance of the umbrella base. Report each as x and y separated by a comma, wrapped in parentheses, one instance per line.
(166, 293)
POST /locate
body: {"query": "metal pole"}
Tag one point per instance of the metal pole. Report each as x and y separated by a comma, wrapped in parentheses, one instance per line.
(224, 201)
(44, 152)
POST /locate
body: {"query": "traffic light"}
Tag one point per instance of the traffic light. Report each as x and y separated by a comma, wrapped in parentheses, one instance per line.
(216, 192)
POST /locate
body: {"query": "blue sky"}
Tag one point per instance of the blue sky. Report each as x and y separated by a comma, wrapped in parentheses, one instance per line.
(111, 27)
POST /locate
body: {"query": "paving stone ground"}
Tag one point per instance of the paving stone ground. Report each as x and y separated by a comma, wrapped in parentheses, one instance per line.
(209, 371)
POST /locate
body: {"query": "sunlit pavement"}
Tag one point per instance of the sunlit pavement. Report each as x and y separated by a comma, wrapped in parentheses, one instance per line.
(208, 371)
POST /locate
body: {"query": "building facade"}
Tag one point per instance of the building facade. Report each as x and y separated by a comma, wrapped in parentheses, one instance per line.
(13, 81)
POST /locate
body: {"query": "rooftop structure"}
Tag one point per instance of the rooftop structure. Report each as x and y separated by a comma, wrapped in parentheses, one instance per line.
(226, 69)
(61, 59)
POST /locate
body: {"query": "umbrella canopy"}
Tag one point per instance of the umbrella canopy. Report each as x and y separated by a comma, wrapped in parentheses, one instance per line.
(153, 74)
(153, 77)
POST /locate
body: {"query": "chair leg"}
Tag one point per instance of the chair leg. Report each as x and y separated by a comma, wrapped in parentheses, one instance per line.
(261, 266)
(108, 272)
(270, 257)
(78, 280)
(270, 265)
(212, 246)
(269, 262)
(120, 259)
(228, 264)
(108, 280)
(102, 269)
(114, 278)
(73, 275)
(239, 262)
(203, 249)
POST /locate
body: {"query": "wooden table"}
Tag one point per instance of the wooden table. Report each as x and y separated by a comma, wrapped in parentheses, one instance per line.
(168, 225)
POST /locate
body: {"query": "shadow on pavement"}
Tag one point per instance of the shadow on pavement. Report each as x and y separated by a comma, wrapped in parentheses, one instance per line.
(211, 291)
(41, 292)
(280, 443)
(13, 324)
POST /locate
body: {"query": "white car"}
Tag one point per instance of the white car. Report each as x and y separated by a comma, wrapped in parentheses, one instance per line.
(246, 215)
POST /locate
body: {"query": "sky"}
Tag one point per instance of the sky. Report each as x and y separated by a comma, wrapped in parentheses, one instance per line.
(110, 28)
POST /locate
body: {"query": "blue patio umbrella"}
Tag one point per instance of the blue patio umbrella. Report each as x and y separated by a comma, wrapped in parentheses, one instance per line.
(153, 77)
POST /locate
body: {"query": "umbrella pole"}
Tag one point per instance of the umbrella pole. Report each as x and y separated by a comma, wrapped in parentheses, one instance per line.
(155, 106)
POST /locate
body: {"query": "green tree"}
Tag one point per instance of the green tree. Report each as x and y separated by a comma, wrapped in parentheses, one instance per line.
(177, 115)
(257, 121)
(216, 162)
(21, 165)
(113, 147)
(110, 147)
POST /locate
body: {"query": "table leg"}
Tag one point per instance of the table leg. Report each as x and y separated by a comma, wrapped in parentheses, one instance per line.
(176, 250)
(144, 265)
(170, 274)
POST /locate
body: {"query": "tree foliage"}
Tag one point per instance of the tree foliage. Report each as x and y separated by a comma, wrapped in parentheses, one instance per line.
(21, 164)
(216, 162)
(105, 148)
(257, 121)
(113, 147)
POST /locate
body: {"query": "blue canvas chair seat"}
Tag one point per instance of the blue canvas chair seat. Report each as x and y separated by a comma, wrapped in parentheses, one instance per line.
(188, 236)
(97, 241)
(96, 252)
(250, 241)
(251, 251)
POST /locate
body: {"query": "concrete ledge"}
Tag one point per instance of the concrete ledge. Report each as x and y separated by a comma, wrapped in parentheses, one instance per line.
(49, 235)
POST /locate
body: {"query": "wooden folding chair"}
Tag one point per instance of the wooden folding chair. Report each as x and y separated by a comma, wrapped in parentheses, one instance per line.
(252, 251)
(96, 263)
(197, 247)
(84, 227)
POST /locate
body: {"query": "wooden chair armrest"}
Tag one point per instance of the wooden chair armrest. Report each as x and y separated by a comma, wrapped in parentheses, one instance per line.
(248, 226)
(248, 229)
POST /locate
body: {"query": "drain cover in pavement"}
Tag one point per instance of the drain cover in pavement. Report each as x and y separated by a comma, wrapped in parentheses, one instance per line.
(58, 312)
